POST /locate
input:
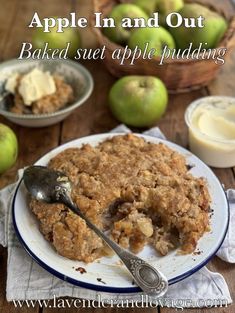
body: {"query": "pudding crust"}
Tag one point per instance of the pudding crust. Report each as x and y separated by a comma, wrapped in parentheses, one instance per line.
(141, 192)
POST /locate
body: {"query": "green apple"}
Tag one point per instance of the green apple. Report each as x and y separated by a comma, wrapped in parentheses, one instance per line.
(57, 40)
(157, 38)
(212, 32)
(165, 7)
(121, 34)
(148, 6)
(138, 101)
(8, 148)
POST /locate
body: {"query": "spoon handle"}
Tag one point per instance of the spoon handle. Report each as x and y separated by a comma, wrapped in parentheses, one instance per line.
(149, 279)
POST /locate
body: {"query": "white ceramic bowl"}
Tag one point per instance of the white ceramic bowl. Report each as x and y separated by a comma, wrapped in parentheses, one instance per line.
(74, 73)
(214, 152)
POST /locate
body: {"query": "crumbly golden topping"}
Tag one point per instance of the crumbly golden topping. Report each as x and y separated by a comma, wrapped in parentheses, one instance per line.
(142, 192)
(63, 96)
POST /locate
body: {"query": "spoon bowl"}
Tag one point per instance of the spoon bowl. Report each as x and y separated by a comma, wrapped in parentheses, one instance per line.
(43, 184)
(51, 186)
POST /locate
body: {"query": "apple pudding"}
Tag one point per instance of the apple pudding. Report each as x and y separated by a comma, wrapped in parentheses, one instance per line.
(140, 192)
(38, 92)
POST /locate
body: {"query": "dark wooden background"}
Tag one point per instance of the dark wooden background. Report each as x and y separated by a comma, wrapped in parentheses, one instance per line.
(94, 117)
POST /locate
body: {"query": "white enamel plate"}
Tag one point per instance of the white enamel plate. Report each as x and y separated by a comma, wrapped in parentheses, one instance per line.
(114, 276)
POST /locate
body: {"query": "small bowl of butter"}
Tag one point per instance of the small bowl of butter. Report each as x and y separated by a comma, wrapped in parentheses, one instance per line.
(211, 123)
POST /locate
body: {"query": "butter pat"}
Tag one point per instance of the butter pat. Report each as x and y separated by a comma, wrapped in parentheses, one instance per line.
(36, 85)
(211, 123)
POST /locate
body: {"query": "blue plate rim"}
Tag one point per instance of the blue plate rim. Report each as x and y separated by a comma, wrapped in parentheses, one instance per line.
(115, 289)
(104, 288)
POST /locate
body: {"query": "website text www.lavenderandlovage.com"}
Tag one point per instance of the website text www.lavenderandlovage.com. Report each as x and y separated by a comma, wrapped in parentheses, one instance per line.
(124, 55)
(144, 302)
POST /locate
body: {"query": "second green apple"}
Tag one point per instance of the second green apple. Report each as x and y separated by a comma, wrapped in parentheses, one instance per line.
(118, 33)
(209, 36)
(156, 38)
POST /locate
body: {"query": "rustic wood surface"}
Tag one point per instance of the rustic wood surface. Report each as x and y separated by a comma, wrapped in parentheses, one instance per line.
(94, 117)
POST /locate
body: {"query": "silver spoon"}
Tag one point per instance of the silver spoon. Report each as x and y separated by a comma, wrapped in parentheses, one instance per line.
(54, 187)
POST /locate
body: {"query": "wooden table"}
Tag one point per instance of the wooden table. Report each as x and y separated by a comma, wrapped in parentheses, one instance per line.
(94, 117)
